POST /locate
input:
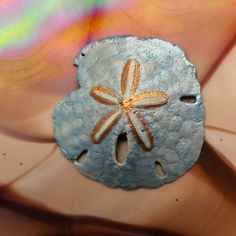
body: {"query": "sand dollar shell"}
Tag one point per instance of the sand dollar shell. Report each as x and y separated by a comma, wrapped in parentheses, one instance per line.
(144, 88)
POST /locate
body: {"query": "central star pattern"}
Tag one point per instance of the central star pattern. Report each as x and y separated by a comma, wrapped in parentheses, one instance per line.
(127, 105)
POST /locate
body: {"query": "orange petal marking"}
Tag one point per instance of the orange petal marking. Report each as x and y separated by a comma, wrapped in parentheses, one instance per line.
(140, 130)
(104, 95)
(105, 125)
(130, 77)
(149, 99)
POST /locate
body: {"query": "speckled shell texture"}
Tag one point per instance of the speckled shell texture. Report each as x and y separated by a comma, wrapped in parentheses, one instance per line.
(177, 127)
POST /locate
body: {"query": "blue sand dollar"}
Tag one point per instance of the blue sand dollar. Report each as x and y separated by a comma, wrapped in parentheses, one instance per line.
(145, 89)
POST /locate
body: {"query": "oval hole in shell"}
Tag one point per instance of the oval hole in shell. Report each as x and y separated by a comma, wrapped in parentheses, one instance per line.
(159, 169)
(188, 99)
(82, 156)
(121, 148)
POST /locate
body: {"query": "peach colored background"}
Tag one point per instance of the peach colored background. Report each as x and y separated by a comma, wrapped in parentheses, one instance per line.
(41, 193)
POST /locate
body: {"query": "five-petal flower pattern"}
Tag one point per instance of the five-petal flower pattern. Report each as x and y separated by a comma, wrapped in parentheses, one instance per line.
(126, 105)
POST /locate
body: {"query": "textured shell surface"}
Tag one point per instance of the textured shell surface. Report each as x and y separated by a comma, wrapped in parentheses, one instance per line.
(175, 128)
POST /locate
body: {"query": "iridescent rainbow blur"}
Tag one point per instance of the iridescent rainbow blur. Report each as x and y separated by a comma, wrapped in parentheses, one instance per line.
(23, 22)
(41, 37)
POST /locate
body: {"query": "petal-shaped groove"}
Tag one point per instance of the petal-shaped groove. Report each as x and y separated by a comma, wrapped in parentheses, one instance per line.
(149, 99)
(105, 125)
(140, 130)
(130, 77)
(104, 95)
